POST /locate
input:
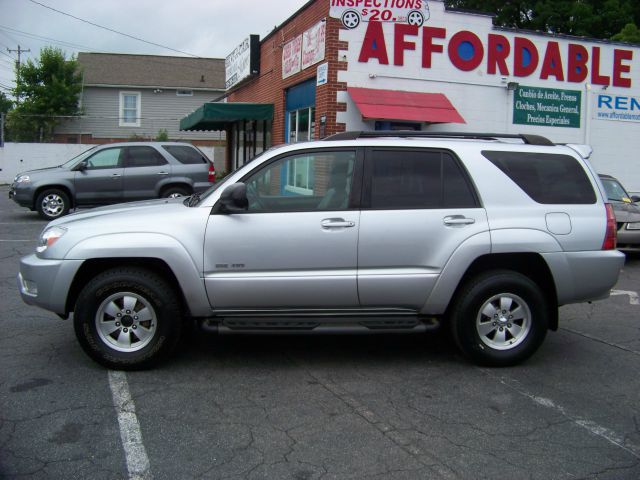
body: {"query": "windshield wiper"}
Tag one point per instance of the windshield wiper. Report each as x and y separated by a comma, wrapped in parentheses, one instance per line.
(193, 200)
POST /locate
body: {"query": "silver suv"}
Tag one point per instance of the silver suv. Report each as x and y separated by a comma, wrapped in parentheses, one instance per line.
(366, 232)
(114, 173)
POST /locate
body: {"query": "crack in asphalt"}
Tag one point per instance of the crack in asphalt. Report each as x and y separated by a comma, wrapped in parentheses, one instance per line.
(600, 340)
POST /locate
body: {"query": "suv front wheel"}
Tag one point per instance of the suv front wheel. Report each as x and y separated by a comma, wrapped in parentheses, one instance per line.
(499, 318)
(128, 318)
(52, 203)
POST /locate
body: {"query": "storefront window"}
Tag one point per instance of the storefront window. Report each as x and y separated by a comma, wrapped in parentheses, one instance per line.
(302, 125)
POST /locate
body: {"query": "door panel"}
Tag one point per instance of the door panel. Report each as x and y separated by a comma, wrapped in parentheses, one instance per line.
(101, 182)
(144, 170)
(402, 252)
(296, 247)
(281, 260)
(418, 208)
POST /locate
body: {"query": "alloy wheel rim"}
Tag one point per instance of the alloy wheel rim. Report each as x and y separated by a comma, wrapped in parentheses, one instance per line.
(53, 205)
(504, 321)
(126, 322)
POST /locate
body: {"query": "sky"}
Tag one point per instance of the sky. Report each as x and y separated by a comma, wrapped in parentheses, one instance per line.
(204, 28)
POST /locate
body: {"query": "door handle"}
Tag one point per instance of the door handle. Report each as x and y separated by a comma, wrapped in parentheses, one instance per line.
(458, 221)
(336, 223)
(163, 173)
(115, 176)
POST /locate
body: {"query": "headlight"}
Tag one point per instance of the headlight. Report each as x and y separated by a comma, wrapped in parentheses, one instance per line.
(23, 179)
(633, 226)
(49, 237)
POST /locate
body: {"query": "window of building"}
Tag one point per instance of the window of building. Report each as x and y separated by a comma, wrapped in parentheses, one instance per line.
(184, 93)
(302, 125)
(130, 109)
(418, 179)
(547, 178)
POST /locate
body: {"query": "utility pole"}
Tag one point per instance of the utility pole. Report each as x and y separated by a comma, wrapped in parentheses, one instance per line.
(19, 51)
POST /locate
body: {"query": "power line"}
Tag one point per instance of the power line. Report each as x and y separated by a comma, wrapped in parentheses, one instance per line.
(49, 39)
(85, 47)
(112, 30)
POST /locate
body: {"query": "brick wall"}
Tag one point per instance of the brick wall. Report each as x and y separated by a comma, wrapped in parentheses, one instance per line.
(270, 87)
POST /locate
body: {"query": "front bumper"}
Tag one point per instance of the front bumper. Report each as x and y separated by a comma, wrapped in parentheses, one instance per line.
(23, 196)
(628, 239)
(46, 283)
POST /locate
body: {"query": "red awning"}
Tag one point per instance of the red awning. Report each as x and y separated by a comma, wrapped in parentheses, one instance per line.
(410, 106)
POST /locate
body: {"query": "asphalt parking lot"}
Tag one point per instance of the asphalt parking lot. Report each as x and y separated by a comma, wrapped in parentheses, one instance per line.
(388, 407)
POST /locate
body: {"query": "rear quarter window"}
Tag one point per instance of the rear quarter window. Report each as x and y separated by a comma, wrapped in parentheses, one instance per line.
(185, 154)
(546, 177)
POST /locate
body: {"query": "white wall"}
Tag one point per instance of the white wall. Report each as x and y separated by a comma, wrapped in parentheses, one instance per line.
(483, 99)
(19, 157)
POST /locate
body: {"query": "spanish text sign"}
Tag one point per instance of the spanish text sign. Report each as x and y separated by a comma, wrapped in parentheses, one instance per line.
(547, 107)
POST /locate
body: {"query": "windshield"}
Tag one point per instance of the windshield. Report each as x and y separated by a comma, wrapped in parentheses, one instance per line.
(615, 191)
(78, 158)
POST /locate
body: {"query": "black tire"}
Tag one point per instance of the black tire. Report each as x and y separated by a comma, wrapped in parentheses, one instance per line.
(174, 192)
(503, 336)
(110, 301)
(52, 203)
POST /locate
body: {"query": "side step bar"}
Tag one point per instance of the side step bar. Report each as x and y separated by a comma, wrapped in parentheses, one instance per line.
(299, 326)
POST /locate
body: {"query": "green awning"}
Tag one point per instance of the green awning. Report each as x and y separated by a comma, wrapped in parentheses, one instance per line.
(216, 116)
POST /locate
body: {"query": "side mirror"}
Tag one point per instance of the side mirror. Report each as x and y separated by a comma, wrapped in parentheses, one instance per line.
(635, 199)
(234, 199)
(82, 166)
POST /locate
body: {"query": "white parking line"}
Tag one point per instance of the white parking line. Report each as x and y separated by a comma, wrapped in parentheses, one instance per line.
(634, 299)
(589, 425)
(135, 453)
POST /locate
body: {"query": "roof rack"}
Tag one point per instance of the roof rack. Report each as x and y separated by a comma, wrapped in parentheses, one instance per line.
(354, 135)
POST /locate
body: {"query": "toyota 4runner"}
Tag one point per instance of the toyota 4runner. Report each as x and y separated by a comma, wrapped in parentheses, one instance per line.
(363, 232)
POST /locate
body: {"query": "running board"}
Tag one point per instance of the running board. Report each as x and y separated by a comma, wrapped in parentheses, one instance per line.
(311, 326)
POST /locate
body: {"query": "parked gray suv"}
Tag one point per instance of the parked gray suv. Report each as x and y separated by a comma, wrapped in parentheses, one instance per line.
(366, 232)
(114, 173)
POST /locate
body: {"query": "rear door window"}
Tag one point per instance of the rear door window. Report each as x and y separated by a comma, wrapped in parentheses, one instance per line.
(185, 154)
(144, 157)
(417, 179)
(546, 177)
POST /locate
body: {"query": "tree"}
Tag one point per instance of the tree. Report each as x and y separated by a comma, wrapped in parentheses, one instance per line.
(5, 103)
(590, 18)
(46, 91)
(630, 33)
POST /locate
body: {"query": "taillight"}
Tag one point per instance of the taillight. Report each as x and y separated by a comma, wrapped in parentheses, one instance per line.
(611, 237)
(212, 173)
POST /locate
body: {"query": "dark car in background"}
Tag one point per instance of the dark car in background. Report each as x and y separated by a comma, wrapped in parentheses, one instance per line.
(114, 173)
(627, 212)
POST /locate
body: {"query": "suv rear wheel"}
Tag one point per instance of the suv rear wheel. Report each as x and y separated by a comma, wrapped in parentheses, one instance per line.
(52, 203)
(175, 192)
(499, 318)
(128, 318)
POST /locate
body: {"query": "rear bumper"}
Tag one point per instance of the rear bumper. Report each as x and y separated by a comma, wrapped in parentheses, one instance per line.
(584, 276)
(628, 239)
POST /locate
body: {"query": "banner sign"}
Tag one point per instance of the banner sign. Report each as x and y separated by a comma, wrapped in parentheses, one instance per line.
(352, 12)
(291, 57)
(243, 61)
(313, 42)
(617, 107)
(547, 107)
